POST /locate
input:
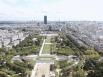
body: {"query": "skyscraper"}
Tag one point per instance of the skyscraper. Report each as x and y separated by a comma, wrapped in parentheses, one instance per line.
(45, 19)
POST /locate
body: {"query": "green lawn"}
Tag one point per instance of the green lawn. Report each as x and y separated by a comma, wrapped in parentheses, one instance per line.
(65, 51)
(47, 48)
(48, 39)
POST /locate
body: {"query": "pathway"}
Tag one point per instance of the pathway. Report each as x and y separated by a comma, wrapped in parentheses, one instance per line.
(42, 67)
(42, 47)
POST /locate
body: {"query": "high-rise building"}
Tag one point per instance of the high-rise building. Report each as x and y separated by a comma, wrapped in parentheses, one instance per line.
(45, 19)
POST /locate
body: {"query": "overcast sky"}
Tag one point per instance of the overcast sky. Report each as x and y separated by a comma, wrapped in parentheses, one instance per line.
(54, 9)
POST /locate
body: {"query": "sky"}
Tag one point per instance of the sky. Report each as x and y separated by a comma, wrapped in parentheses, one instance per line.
(64, 10)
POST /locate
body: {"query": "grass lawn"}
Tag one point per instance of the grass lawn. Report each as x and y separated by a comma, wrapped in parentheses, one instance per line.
(65, 51)
(47, 48)
(48, 39)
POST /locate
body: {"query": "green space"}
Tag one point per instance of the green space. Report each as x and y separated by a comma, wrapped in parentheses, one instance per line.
(88, 65)
(48, 39)
(46, 49)
(9, 68)
(64, 67)
(50, 47)
(28, 46)
(70, 47)
(53, 48)
(65, 51)
(91, 68)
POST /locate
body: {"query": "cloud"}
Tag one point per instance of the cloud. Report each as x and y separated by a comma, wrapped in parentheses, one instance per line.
(55, 9)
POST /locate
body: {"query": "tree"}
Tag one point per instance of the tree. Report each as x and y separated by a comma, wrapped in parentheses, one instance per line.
(90, 64)
(79, 73)
(97, 71)
(3, 74)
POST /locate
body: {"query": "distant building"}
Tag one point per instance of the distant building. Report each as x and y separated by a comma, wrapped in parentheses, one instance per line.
(45, 19)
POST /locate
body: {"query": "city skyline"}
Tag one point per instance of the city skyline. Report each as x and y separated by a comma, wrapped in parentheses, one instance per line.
(63, 10)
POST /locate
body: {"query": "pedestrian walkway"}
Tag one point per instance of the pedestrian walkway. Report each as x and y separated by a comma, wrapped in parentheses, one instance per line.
(42, 47)
(42, 67)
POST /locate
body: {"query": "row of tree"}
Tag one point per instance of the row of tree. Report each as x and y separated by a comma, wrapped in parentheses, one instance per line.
(8, 68)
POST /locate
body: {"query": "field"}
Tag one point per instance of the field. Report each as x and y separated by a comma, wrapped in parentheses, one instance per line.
(65, 51)
(46, 48)
(48, 39)
(47, 45)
